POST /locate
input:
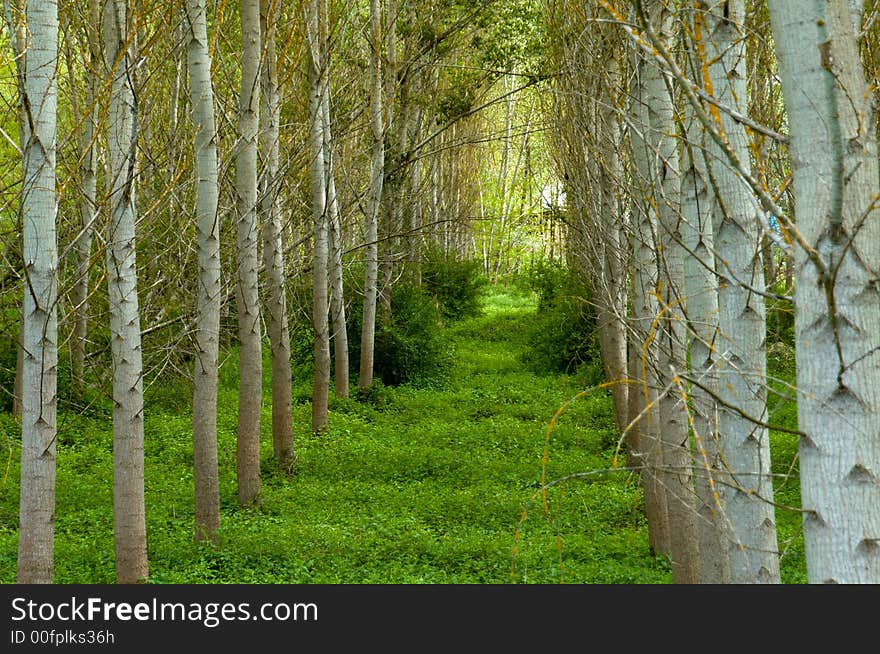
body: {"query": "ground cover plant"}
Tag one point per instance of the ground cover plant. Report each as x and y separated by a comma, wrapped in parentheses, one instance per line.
(410, 485)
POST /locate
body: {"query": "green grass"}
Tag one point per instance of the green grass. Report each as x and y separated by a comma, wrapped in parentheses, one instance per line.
(436, 485)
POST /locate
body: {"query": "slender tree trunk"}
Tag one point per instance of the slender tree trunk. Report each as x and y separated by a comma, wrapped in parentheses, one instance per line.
(674, 429)
(612, 300)
(273, 251)
(337, 291)
(19, 37)
(643, 413)
(88, 206)
(371, 227)
(701, 301)
(837, 299)
(745, 445)
(414, 227)
(205, 458)
(320, 256)
(40, 314)
(247, 287)
(334, 225)
(391, 185)
(128, 397)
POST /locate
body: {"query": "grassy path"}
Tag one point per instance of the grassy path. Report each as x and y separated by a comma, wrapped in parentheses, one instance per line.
(420, 486)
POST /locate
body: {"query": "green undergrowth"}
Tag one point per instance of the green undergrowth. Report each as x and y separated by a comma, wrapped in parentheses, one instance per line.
(410, 485)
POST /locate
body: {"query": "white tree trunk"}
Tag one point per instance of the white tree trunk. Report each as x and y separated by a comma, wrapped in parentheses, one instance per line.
(334, 225)
(837, 300)
(320, 246)
(742, 364)
(247, 287)
(371, 225)
(701, 301)
(207, 337)
(643, 413)
(273, 251)
(128, 396)
(612, 300)
(674, 429)
(40, 322)
(389, 204)
(88, 207)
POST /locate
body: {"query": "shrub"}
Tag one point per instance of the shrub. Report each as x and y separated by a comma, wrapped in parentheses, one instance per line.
(456, 285)
(410, 349)
(563, 335)
(547, 279)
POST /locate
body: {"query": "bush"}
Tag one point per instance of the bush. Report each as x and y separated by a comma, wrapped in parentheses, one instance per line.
(409, 350)
(548, 279)
(563, 335)
(456, 285)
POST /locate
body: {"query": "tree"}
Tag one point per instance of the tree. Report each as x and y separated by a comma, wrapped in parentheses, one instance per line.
(207, 338)
(671, 336)
(273, 251)
(701, 302)
(371, 224)
(334, 224)
(318, 86)
(744, 440)
(247, 279)
(644, 416)
(128, 396)
(86, 133)
(40, 318)
(833, 145)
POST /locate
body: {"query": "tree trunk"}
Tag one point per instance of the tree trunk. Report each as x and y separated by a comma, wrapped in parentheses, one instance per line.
(247, 287)
(611, 300)
(40, 320)
(273, 251)
(320, 247)
(128, 397)
(88, 206)
(207, 337)
(391, 185)
(371, 226)
(742, 365)
(837, 300)
(643, 413)
(674, 430)
(334, 225)
(19, 37)
(701, 301)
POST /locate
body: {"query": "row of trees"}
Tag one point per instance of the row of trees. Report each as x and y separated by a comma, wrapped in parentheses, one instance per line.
(332, 136)
(713, 155)
(677, 154)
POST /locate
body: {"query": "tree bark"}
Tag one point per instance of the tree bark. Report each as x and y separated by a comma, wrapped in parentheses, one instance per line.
(371, 225)
(40, 316)
(643, 412)
(742, 365)
(128, 397)
(320, 246)
(205, 458)
(612, 298)
(273, 251)
(247, 287)
(334, 225)
(837, 300)
(701, 302)
(674, 429)
(88, 206)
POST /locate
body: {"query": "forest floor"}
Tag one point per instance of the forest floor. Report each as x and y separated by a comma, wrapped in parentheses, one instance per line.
(419, 485)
